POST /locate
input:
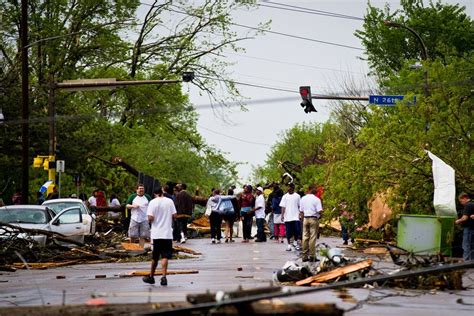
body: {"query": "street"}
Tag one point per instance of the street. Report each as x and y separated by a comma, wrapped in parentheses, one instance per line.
(222, 267)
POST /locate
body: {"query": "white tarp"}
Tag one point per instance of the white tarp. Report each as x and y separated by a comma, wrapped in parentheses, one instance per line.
(444, 199)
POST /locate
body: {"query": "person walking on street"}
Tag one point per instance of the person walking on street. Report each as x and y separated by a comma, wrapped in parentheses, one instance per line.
(184, 206)
(259, 210)
(346, 220)
(160, 214)
(311, 209)
(467, 222)
(278, 223)
(230, 217)
(290, 214)
(139, 227)
(215, 217)
(246, 202)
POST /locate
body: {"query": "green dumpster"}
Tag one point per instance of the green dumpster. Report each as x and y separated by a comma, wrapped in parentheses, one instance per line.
(426, 234)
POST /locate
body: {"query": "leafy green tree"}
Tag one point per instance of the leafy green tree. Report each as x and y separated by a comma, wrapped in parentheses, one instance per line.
(445, 29)
(91, 39)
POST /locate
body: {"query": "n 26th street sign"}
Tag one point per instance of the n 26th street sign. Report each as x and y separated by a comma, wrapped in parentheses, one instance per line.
(387, 100)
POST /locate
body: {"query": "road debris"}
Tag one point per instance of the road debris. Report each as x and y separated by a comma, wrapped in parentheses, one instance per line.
(160, 272)
(335, 273)
(104, 247)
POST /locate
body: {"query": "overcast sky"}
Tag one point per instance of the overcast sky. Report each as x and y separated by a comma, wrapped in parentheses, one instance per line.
(286, 63)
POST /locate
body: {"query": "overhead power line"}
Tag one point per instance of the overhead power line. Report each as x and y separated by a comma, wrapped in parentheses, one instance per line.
(232, 137)
(294, 8)
(248, 84)
(297, 37)
(292, 64)
(277, 33)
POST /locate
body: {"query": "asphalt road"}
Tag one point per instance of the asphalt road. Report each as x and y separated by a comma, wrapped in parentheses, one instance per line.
(222, 267)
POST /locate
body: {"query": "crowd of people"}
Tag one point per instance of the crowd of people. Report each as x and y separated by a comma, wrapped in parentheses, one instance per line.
(288, 215)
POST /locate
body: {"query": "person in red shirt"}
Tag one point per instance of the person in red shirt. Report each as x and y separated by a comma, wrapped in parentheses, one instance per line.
(246, 202)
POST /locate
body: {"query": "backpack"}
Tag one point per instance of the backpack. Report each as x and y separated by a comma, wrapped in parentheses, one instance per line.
(225, 206)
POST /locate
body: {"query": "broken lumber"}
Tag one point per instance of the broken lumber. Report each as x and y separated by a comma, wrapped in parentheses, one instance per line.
(160, 272)
(132, 246)
(45, 265)
(335, 273)
(186, 250)
(376, 251)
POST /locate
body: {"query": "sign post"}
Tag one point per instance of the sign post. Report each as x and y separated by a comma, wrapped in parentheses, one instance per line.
(60, 169)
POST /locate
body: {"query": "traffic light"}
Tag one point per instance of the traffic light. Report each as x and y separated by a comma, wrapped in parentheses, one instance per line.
(307, 104)
(37, 162)
(188, 76)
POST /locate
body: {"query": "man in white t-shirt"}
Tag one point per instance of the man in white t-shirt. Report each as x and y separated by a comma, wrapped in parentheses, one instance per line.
(290, 214)
(311, 208)
(161, 213)
(259, 210)
(139, 227)
(92, 200)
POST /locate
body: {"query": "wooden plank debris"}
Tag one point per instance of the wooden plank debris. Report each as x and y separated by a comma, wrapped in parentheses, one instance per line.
(335, 273)
(186, 250)
(376, 251)
(160, 272)
(132, 246)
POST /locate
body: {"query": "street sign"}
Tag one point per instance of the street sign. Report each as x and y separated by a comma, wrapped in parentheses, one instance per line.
(388, 100)
(60, 164)
(385, 99)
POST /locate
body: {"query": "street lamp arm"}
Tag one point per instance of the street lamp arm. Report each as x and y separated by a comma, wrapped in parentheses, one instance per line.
(112, 84)
(424, 51)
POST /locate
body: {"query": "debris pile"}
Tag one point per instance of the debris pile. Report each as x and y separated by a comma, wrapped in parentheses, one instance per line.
(19, 252)
(333, 267)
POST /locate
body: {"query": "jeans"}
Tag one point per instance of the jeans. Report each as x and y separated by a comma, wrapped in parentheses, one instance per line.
(260, 229)
(216, 222)
(180, 225)
(347, 230)
(270, 224)
(310, 234)
(468, 243)
(247, 221)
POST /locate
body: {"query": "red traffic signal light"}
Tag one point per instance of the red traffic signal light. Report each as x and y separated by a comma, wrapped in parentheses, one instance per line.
(305, 92)
(307, 104)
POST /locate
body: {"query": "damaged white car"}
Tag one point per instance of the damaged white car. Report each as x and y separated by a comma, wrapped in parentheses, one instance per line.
(68, 222)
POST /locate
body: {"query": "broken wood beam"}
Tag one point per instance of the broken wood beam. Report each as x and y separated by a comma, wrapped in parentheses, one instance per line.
(160, 272)
(335, 273)
(186, 250)
(45, 265)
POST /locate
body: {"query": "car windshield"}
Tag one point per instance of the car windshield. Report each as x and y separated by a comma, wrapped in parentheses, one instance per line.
(57, 207)
(23, 215)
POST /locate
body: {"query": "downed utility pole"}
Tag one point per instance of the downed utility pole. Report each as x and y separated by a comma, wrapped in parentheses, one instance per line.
(242, 301)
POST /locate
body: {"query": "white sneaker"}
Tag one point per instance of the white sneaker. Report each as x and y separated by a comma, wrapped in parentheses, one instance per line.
(213, 241)
(288, 248)
(183, 240)
(218, 241)
(295, 243)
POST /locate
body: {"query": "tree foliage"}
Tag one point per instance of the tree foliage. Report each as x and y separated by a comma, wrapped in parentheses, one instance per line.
(153, 127)
(445, 29)
(369, 149)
